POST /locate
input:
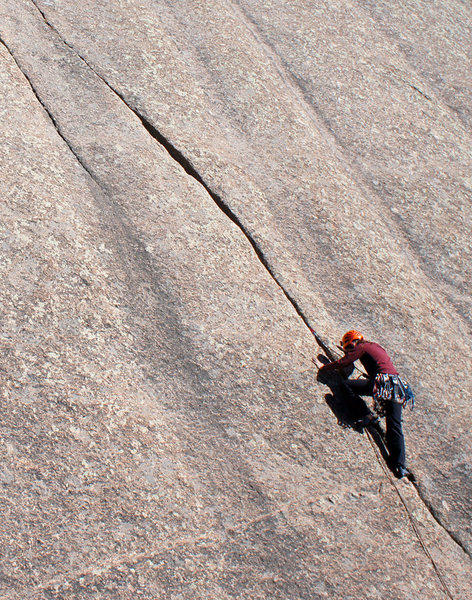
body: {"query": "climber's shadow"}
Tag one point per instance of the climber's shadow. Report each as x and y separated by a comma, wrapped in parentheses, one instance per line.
(349, 408)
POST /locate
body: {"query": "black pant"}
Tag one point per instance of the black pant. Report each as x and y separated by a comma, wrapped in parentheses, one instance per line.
(393, 421)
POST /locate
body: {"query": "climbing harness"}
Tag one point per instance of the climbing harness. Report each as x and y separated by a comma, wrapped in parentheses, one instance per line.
(394, 389)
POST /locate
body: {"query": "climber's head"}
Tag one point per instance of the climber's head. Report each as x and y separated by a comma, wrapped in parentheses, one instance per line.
(351, 339)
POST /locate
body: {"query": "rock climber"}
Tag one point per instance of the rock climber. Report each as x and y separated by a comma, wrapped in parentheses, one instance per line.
(383, 382)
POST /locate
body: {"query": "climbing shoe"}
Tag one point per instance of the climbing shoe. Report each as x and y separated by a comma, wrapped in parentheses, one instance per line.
(399, 471)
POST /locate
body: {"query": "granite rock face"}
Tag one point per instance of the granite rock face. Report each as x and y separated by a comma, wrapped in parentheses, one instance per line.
(185, 187)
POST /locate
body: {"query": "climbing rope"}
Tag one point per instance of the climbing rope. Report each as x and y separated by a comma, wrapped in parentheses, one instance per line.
(324, 346)
(410, 516)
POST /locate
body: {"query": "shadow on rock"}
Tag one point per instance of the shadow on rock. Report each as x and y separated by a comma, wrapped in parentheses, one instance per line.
(350, 410)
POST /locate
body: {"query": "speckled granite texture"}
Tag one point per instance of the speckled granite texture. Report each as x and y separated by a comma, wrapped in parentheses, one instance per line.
(184, 187)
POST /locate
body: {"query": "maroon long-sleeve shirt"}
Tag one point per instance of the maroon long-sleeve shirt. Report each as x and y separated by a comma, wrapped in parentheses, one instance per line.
(373, 357)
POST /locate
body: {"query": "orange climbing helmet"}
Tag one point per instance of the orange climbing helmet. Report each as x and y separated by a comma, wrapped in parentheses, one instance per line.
(349, 337)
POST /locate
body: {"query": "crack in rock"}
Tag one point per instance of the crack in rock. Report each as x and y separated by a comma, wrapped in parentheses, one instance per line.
(312, 110)
(48, 112)
(186, 164)
(434, 514)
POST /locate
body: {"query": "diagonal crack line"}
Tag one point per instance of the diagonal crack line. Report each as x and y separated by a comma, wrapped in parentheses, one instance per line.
(411, 519)
(49, 114)
(311, 108)
(434, 513)
(190, 170)
(185, 163)
(106, 205)
(420, 92)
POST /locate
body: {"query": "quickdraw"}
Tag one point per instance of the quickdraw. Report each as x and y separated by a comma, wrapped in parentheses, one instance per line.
(394, 389)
